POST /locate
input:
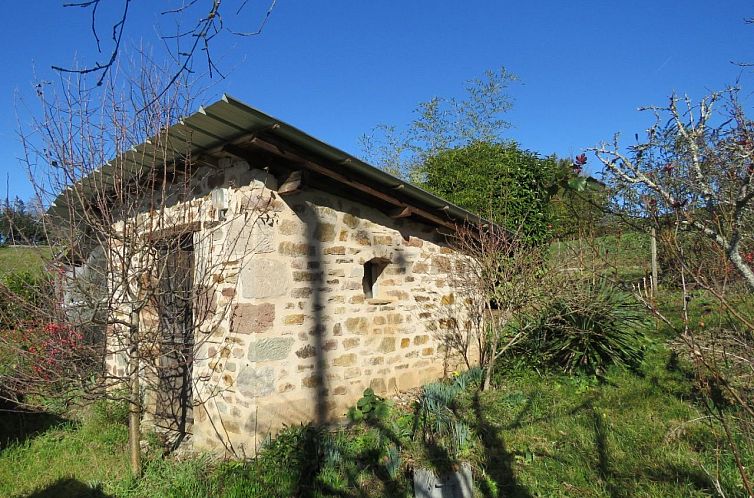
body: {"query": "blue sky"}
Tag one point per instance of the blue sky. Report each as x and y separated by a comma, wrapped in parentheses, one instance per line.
(337, 68)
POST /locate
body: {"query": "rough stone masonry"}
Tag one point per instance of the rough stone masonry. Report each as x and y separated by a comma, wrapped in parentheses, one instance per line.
(297, 336)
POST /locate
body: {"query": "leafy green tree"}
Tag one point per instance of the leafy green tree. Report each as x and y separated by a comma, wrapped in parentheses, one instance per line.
(455, 147)
(443, 124)
(500, 181)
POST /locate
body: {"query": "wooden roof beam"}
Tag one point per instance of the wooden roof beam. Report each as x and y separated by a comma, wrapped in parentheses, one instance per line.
(264, 144)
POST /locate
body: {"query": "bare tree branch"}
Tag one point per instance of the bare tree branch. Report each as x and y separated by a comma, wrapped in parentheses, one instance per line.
(208, 24)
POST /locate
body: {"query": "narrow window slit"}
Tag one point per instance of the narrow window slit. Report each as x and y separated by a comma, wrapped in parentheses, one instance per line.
(371, 281)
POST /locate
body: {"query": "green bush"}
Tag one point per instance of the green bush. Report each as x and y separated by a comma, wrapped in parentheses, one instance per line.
(587, 329)
(20, 294)
(499, 181)
(370, 407)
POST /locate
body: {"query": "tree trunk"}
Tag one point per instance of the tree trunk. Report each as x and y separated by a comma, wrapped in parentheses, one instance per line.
(742, 267)
(487, 375)
(134, 399)
(489, 367)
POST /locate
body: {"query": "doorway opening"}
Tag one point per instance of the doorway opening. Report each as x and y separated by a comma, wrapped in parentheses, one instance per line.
(174, 302)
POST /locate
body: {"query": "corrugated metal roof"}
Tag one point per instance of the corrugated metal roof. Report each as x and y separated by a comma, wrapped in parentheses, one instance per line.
(229, 120)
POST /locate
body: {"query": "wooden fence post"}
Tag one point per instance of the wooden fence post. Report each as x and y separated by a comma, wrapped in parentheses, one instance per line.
(654, 261)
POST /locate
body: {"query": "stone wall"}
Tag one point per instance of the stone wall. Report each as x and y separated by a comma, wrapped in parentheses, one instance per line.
(292, 336)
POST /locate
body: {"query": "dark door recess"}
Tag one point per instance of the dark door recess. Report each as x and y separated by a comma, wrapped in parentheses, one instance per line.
(174, 306)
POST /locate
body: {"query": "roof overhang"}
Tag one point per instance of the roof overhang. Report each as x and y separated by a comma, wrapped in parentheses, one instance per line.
(216, 129)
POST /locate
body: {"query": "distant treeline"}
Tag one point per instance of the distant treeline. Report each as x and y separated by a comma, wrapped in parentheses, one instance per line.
(20, 223)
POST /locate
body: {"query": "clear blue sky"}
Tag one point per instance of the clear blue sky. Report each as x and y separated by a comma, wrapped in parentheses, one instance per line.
(337, 68)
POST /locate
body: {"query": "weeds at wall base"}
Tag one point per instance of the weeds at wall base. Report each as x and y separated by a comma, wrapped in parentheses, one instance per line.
(534, 434)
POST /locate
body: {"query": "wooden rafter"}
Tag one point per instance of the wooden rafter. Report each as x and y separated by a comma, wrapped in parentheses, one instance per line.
(265, 144)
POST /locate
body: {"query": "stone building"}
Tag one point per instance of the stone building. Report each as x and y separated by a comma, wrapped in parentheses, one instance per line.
(323, 277)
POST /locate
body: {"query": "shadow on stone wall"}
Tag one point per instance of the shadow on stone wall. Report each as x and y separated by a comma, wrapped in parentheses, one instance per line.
(314, 225)
(307, 209)
(313, 211)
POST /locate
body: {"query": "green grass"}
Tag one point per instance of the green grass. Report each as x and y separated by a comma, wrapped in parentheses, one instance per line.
(625, 257)
(533, 435)
(642, 434)
(633, 435)
(68, 459)
(23, 259)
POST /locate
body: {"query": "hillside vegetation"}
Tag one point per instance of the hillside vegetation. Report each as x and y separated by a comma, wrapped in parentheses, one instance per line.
(537, 433)
(23, 259)
(634, 434)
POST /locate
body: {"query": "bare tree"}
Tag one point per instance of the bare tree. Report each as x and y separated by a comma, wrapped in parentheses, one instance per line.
(690, 180)
(498, 278)
(719, 342)
(695, 168)
(138, 249)
(196, 26)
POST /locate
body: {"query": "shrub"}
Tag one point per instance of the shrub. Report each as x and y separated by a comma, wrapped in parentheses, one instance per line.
(497, 180)
(41, 358)
(20, 295)
(587, 329)
(435, 413)
(370, 407)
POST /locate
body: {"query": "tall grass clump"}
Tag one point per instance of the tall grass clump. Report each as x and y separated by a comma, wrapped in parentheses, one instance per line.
(435, 412)
(586, 330)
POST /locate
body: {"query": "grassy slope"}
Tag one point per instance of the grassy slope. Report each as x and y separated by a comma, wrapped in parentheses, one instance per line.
(68, 459)
(535, 435)
(551, 435)
(22, 259)
(625, 257)
(632, 436)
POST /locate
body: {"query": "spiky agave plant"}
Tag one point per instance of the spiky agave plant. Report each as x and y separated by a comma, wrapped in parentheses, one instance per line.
(592, 328)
